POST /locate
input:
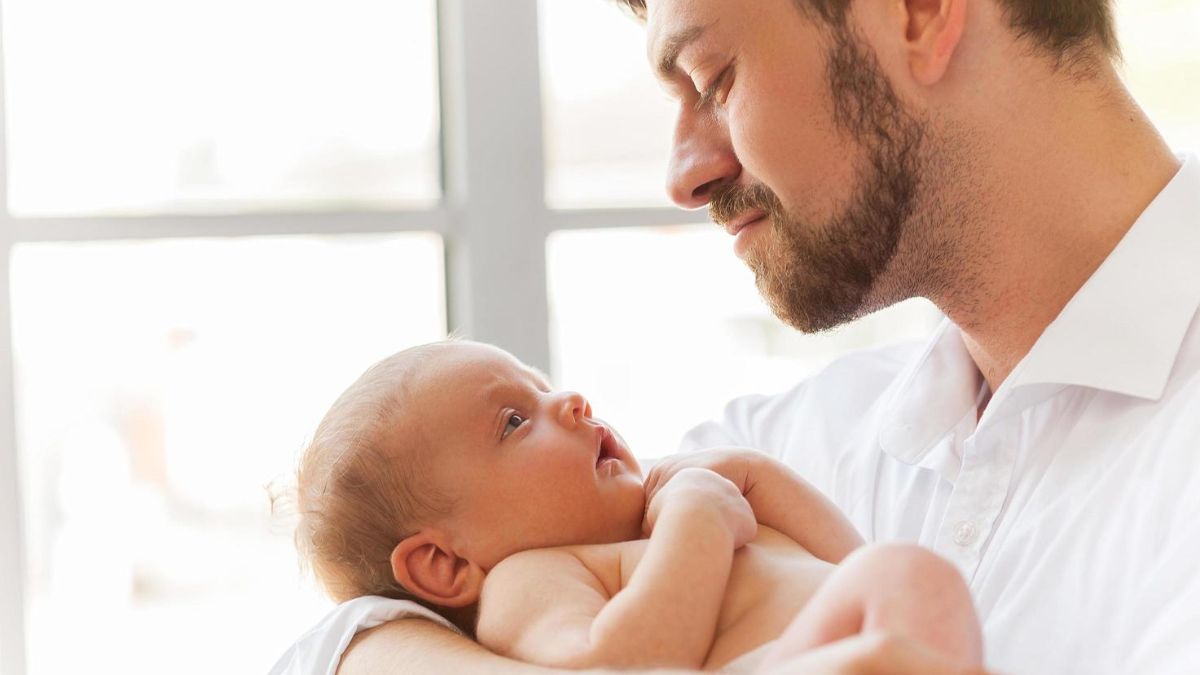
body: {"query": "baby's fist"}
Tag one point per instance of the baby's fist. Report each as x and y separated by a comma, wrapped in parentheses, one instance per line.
(702, 493)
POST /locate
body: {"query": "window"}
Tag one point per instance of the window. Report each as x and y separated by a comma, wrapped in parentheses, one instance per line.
(1162, 65)
(220, 211)
(220, 105)
(608, 125)
(154, 406)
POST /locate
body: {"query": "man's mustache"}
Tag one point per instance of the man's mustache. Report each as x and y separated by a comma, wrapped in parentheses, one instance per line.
(732, 200)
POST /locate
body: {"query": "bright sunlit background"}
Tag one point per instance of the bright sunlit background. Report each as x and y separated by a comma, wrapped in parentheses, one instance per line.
(160, 385)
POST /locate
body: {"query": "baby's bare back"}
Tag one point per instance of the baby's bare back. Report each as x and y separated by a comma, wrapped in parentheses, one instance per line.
(771, 580)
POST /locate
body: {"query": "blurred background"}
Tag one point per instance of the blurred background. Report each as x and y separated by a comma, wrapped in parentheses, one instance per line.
(219, 213)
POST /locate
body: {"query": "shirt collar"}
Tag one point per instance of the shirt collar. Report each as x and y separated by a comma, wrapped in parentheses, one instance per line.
(935, 392)
(1140, 301)
(1123, 330)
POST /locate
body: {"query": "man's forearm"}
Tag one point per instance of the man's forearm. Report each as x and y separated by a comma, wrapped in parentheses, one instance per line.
(668, 611)
(419, 646)
(784, 501)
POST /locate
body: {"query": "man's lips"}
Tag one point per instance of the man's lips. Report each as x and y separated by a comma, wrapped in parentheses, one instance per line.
(734, 226)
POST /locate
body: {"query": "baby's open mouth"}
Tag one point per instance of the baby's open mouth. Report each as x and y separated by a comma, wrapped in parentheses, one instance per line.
(608, 448)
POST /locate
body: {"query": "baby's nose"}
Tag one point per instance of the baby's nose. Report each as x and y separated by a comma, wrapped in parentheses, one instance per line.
(574, 408)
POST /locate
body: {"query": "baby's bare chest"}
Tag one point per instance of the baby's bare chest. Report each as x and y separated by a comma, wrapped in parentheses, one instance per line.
(772, 578)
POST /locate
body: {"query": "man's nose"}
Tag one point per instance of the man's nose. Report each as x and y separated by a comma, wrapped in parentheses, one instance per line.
(573, 408)
(702, 159)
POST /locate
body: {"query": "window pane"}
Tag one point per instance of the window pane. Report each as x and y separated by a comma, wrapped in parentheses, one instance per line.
(666, 342)
(217, 105)
(608, 125)
(160, 388)
(1162, 64)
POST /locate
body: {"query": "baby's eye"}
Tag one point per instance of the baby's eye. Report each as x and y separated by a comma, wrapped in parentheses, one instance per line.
(514, 420)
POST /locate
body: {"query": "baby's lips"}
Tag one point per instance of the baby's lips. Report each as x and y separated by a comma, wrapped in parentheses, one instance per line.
(610, 445)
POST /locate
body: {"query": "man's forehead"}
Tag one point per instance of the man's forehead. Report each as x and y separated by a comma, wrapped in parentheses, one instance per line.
(671, 25)
(664, 55)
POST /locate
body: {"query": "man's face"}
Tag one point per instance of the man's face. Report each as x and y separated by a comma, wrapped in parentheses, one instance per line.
(792, 135)
(525, 466)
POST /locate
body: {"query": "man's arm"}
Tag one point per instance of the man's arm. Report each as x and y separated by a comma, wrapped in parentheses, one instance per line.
(547, 607)
(419, 646)
(416, 645)
(781, 499)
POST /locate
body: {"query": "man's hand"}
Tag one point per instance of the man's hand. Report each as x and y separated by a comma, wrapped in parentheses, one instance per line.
(864, 654)
(708, 494)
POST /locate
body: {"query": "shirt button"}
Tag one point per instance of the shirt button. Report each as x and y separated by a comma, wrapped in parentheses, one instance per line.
(964, 533)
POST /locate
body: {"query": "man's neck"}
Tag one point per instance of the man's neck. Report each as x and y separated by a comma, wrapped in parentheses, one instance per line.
(1066, 179)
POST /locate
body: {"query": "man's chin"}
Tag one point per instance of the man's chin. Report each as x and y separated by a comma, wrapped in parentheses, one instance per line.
(807, 308)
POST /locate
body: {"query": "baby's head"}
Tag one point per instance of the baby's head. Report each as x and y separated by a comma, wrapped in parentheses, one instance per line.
(444, 459)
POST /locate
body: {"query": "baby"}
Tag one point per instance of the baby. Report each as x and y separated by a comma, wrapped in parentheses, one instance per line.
(453, 475)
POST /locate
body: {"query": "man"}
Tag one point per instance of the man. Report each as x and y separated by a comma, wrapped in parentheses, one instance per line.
(985, 155)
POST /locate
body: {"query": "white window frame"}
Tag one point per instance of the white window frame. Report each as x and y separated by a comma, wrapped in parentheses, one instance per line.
(493, 219)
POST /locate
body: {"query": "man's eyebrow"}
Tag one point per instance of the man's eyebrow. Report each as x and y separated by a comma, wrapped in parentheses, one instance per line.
(674, 45)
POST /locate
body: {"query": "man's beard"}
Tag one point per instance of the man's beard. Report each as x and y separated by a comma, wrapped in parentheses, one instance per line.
(818, 276)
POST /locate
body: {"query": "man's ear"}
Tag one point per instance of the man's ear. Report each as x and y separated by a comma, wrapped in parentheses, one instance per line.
(933, 29)
(428, 567)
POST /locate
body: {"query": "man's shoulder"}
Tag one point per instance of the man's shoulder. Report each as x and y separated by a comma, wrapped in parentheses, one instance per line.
(839, 396)
(850, 384)
(874, 368)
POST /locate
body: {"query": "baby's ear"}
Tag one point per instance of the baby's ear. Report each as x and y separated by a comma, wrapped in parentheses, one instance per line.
(428, 567)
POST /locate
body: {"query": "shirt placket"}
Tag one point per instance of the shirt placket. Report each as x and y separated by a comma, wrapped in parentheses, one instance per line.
(977, 499)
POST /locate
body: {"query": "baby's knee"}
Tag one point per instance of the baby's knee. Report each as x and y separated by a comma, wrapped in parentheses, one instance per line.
(908, 566)
(916, 592)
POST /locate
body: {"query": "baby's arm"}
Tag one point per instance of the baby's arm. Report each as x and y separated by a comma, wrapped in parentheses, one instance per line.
(547, 607)
(781, 499)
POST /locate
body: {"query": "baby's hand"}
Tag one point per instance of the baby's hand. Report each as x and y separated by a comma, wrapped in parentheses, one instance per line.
(706, 493)
(738, 465)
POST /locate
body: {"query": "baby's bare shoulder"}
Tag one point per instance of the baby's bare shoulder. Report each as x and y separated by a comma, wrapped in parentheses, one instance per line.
(595, 565)
(612, 563)
(533, 591)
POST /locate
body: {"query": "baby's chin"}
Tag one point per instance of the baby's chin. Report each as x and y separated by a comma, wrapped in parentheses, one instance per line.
(628, 526)
(624, 524)
(631, 530)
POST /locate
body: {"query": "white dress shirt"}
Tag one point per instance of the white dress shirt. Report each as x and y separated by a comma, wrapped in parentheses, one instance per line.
(1072, 507)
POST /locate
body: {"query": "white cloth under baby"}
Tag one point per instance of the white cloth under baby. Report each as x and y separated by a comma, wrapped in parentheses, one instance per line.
(319, 651)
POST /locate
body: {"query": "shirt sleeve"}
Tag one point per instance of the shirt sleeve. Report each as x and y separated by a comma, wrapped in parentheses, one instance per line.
(319, 651)
(734, 428)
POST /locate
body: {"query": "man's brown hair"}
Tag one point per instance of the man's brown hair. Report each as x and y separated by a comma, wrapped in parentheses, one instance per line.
(1066, 29)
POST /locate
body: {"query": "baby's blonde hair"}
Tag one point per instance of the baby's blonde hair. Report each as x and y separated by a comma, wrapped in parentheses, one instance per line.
(360, 492)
